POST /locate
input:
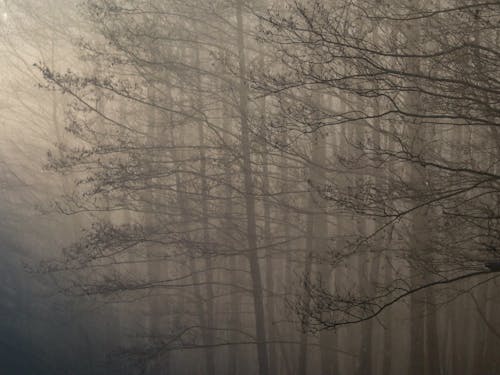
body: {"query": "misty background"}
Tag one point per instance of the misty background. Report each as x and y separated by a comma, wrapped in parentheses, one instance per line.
(249, 187)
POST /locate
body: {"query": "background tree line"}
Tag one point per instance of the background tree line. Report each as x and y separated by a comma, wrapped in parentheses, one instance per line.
(278, 188)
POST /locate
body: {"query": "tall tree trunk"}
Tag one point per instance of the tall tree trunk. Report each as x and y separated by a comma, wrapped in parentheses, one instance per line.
(304, 334)
(228, 228)
(388, 326)
(154, 271)
(418, 239)
(316, 238)
(270, 300)
(208, 336)
(253, 259)
(364, 275)
(287, 266)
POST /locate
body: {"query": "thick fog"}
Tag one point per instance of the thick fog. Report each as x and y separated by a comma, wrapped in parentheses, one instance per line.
(264, 187)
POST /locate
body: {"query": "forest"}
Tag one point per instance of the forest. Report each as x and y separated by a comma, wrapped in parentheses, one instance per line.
(259, 187)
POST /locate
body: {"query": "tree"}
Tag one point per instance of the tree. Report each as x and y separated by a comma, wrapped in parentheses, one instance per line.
(164, 158)
(411, 90)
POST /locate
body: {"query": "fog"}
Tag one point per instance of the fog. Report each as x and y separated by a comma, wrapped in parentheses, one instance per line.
(249, 187)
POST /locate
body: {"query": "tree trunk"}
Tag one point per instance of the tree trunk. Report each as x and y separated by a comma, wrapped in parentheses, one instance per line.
(418, 238)
(253, 259)
(208, 336)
